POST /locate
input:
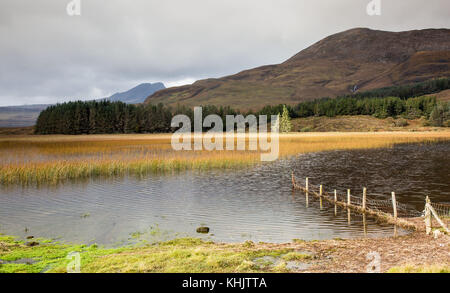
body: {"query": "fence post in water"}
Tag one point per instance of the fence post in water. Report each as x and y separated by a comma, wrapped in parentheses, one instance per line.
(307, 190)
(348, 206)
(394, 205)
(364, 199)
(335, 200)
(320, 194)
(427, 216)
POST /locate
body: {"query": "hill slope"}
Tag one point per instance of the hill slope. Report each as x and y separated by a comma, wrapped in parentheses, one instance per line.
(355, 59)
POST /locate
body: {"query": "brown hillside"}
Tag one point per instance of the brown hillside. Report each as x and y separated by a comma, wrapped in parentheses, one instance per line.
(358, 58)
(419, 67)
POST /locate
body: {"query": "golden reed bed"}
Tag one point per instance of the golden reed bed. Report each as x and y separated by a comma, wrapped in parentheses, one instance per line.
(27, 160)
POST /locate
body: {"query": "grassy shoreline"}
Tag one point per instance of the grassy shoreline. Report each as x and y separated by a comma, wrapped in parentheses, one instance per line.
(412, 253)
(53, 159)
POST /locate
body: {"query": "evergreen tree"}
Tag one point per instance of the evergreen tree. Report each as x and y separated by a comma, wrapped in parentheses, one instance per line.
(285, 121)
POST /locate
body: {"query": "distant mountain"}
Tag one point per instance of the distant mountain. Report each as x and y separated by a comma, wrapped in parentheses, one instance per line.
(20, 116)
(353, 60)
(137, 94)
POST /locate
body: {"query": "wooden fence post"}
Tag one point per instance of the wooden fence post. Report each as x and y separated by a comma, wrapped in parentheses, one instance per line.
(364, 198)
(306, 184)
(436, 216)
(335, 201)
(349, 202)
(427, 216)
(394, 205)
(320, 194)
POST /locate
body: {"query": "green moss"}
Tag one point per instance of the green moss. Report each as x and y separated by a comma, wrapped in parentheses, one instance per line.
(296, 256)
(295, 240)
(44, 256)
(185, 242)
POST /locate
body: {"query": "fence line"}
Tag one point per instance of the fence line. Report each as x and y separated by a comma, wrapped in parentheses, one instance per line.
(390, 211)
(431, 211)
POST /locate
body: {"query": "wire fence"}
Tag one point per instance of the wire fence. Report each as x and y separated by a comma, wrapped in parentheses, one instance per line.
(442, 209)
(389, 210)
(374, 202)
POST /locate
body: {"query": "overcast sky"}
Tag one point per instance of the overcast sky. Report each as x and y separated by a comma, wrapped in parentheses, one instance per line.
(47, 56)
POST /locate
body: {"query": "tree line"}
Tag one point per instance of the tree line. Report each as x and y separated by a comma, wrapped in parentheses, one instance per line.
(102, 117)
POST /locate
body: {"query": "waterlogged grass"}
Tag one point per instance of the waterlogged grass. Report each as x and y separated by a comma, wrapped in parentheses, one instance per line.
(16, 257)
(188, 255)
(38, 160)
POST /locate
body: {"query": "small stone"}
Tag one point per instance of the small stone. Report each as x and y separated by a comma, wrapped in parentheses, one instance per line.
(32, 243)
(30, 237)
(203, 230)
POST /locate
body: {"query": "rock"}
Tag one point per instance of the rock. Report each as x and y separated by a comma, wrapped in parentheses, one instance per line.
(203, 230)
(32, 243)
(30, 237)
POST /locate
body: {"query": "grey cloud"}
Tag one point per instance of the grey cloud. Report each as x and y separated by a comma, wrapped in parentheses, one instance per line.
(48, 56)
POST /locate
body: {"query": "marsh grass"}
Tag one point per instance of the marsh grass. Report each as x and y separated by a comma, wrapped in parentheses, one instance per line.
(36, 160)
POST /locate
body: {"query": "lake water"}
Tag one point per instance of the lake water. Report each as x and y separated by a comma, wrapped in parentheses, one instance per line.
(255, 204)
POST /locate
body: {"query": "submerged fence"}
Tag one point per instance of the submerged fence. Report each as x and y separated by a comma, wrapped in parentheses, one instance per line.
(390, 211)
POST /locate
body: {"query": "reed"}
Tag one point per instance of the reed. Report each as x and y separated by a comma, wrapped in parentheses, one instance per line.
(53, 159)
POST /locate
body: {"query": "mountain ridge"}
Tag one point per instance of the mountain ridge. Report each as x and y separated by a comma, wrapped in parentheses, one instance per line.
(137, 94)
(355, 59)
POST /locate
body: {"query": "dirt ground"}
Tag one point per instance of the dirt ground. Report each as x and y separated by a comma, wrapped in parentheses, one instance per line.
(353, 256)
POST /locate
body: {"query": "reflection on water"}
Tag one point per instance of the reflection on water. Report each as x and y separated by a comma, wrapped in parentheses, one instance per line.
(256, 204)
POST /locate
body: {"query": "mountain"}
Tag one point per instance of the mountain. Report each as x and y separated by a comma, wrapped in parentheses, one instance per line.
(20, 116)
(137, 94)
(353, 60)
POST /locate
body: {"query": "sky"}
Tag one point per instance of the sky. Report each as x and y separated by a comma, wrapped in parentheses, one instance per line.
(49, 56)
